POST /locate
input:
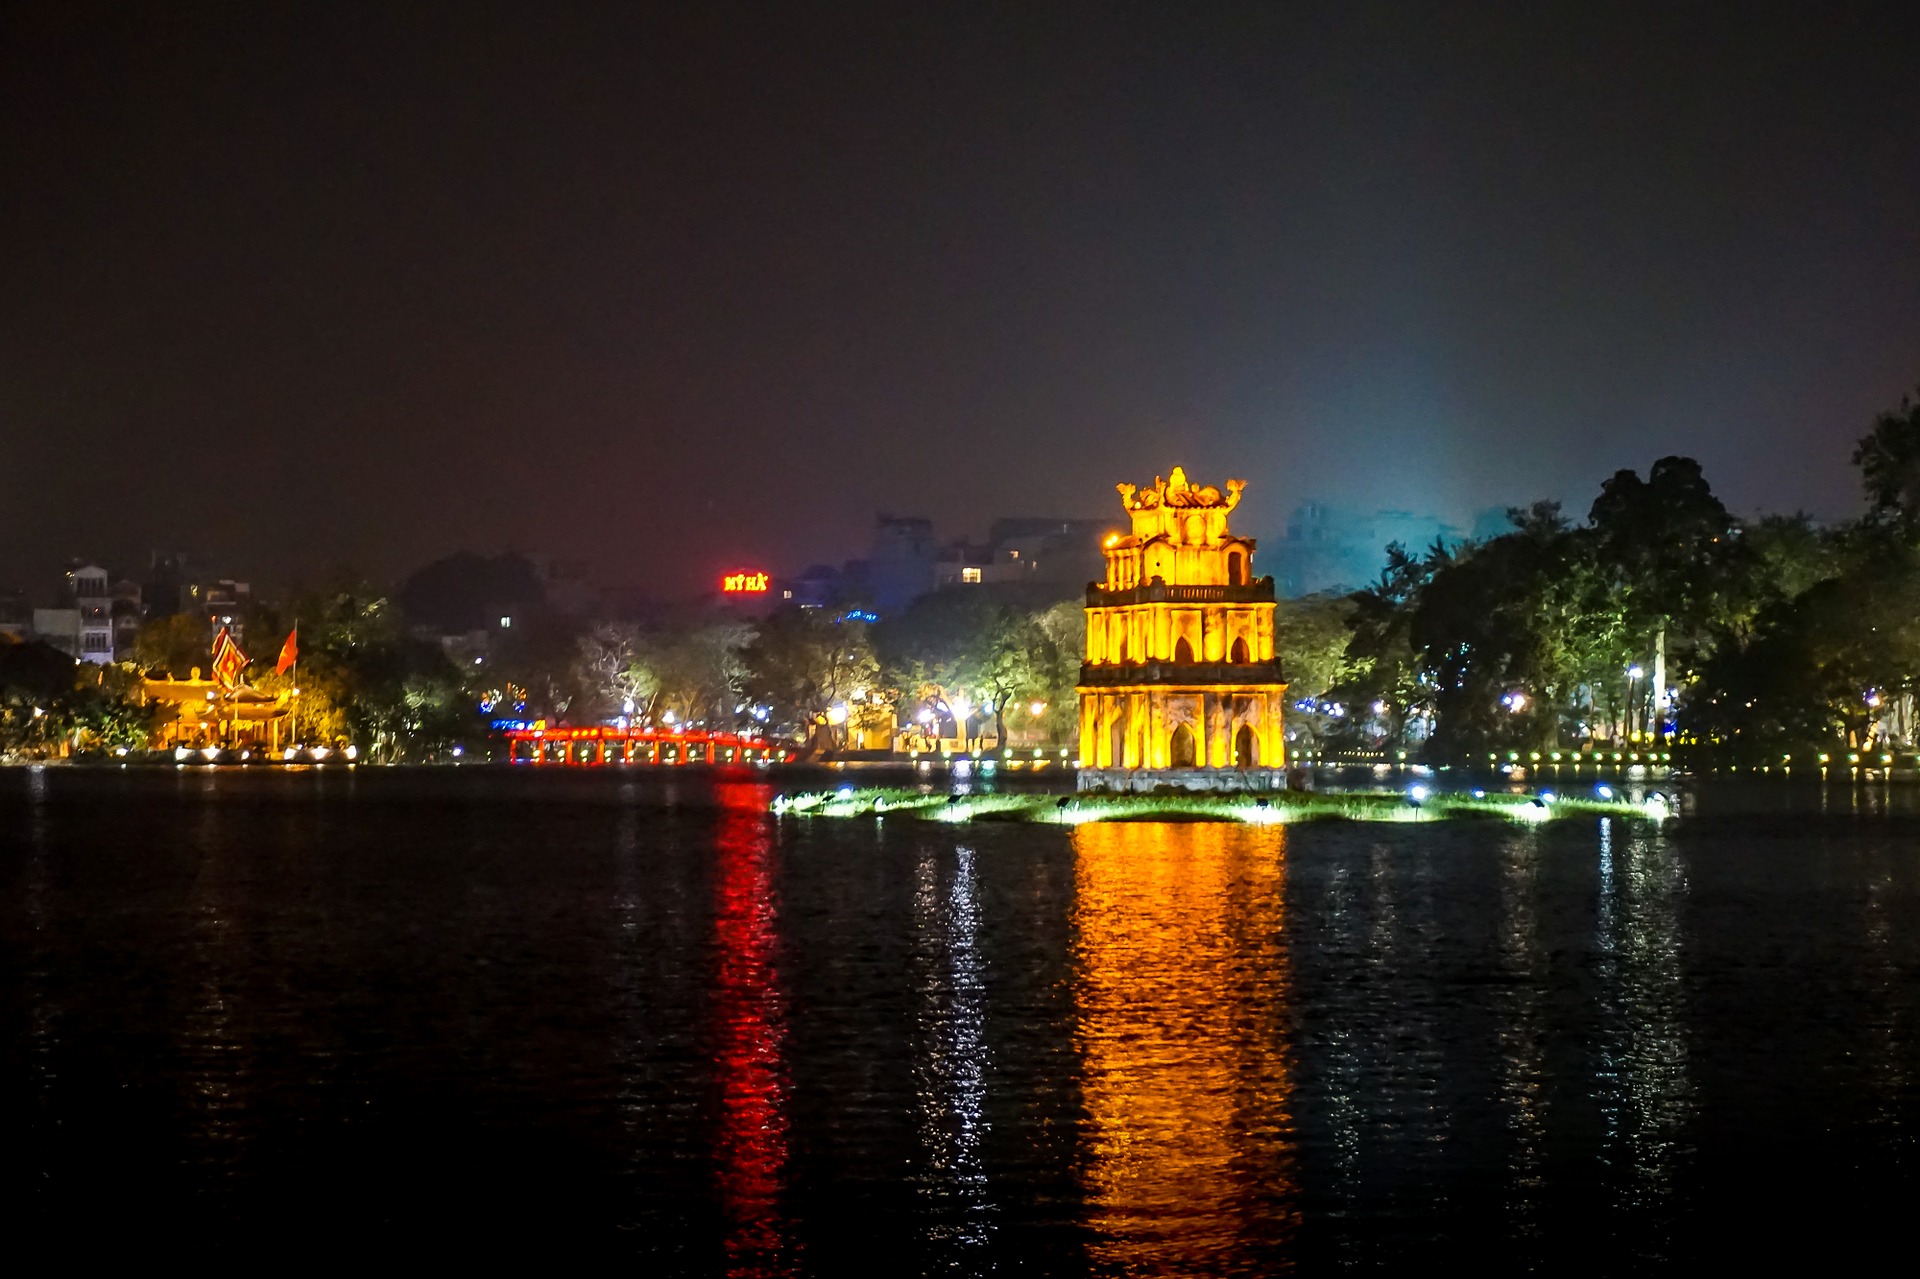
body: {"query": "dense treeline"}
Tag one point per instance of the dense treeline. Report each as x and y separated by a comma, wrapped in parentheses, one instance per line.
(51, 705)
(1660, 617)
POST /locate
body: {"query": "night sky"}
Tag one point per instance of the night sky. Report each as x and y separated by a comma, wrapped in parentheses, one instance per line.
(671, 292)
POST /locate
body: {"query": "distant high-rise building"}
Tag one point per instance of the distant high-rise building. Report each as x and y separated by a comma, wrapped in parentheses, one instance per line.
(129, 614)
(90, 594)
(902, 565)
(163, 586)
(1052, 551)
(908, 561)
(58, 627)
(1334, 549)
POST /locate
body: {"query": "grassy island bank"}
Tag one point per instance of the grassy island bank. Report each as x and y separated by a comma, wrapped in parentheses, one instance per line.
(1415, 805)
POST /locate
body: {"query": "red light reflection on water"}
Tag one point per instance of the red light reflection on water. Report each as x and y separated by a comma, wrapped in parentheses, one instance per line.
(751, 1149)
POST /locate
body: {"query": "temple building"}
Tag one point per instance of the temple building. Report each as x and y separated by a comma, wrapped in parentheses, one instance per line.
(197, 713)
(1180, 686)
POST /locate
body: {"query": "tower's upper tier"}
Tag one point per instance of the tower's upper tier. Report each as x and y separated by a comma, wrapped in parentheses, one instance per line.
(1179, 537)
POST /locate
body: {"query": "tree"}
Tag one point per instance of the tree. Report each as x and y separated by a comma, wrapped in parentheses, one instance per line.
(805, 660)
(1888, 456)
(1834, 664)
(697, 670)
(364, 678)
(970, 647)
(174, 646)
(1310, 638)
(1787, 555)
(36, 681)
(1014, 661)
(1065, 626)
(1477, 628)
(49, 702)
(1817, 669)
(1381, 664)
(1671, 549)
(610, 671)
(1500, 642)
(104, 711)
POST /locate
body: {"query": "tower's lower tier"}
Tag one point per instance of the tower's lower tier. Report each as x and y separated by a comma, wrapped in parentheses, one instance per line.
(1179, 726)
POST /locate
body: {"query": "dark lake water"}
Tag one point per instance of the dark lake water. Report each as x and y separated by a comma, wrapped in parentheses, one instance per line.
(571, 1015)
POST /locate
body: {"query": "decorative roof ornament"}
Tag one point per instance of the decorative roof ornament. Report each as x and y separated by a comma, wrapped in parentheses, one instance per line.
(1175, 491)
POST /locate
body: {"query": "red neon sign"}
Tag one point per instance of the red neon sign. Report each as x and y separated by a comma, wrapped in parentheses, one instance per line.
(744, 583)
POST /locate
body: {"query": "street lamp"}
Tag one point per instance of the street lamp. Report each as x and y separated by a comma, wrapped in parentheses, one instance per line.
(962, 711)
(1633, 705)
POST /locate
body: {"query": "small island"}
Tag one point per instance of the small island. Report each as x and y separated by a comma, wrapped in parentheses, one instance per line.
(1417, 803)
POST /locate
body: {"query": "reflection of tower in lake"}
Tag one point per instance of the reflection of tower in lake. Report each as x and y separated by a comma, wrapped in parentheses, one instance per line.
(1183, 994)
(751, 1153)
(951, 1064)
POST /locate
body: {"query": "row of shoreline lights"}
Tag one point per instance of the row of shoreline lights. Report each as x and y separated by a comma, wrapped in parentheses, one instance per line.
(1652, 757)
(1540, 806)
(1580, 757)
(350, 753)
(1008, 753)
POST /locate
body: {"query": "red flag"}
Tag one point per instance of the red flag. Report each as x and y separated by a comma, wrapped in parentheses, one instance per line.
(289, 652)
(228, 660)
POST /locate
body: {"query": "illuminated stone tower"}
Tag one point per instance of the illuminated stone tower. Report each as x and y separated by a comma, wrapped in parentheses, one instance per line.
(1180, 686)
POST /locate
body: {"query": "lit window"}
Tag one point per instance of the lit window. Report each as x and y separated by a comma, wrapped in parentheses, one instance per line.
(505, 622)
(970, 575)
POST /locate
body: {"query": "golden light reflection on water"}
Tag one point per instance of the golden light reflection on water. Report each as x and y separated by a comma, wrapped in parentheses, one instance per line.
(1183, 991)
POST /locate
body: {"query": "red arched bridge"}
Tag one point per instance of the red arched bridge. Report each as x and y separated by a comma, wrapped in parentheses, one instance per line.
(599, 744)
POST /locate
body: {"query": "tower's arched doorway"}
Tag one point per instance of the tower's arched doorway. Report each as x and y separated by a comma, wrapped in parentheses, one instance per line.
(1246, 751)
(1180, 749)
(1117, 742)
(1183, 651)
(1236, 569)
(1239, 651)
